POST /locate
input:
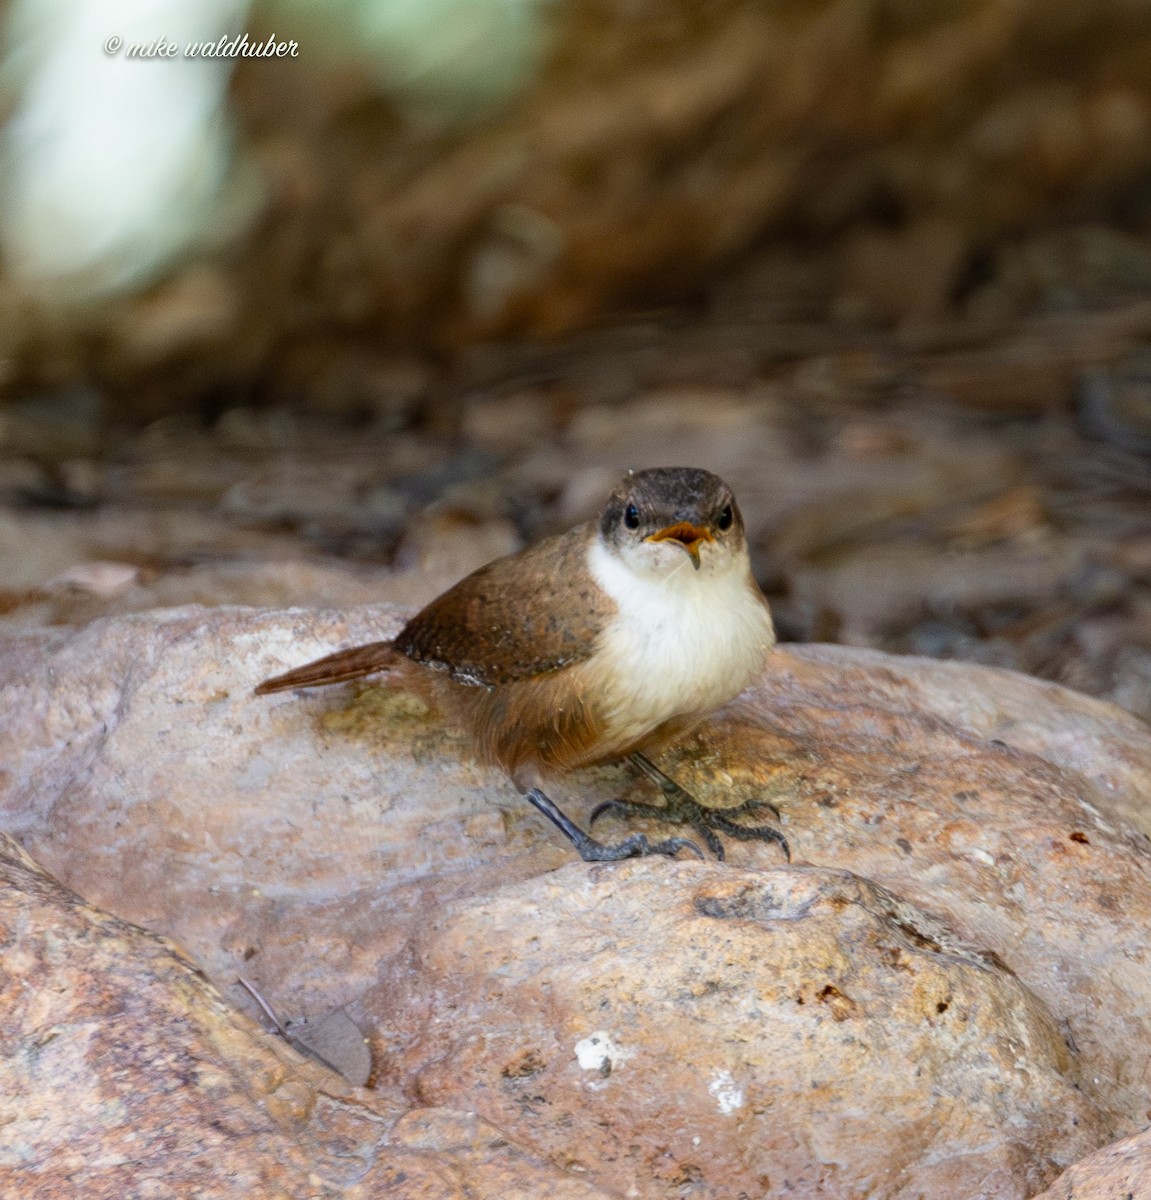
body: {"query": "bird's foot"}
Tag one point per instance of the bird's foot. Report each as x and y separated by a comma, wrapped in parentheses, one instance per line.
(633, 846)
(682, 808)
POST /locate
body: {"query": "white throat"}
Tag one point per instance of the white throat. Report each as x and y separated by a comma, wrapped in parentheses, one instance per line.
(683, 642)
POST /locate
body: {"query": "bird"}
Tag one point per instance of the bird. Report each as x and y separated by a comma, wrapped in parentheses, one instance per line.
(607, 642)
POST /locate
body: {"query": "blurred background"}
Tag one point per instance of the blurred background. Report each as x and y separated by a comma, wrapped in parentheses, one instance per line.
(330, 303)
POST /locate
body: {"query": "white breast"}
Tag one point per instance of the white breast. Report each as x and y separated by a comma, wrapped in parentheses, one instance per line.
(681, 644)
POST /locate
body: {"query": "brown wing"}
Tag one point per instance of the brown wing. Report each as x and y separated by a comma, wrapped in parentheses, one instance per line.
(517, 618)
(333, 668)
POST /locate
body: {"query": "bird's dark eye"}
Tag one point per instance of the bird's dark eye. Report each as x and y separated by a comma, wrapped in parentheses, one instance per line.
(631, 517)
(726, 517)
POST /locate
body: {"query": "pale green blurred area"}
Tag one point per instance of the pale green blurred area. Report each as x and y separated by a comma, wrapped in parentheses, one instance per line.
(113, 168)
(445, 60)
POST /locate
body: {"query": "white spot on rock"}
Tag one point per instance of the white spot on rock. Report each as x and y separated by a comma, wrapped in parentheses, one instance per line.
(728, 1097)
(597, 1052)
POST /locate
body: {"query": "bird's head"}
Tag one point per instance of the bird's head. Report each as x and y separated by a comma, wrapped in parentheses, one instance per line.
(659, 520)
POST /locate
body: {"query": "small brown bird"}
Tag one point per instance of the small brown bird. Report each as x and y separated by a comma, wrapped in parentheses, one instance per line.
(606, 642)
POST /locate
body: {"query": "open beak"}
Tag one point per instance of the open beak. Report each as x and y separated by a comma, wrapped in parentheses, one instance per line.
(689, 536)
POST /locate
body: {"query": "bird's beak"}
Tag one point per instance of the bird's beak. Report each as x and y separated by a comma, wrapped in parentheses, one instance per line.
(689, 536)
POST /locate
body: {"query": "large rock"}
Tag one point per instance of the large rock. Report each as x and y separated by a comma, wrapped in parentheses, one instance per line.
(759, 1033)
(123, 1072)
(948, 979)
(1122, 1169)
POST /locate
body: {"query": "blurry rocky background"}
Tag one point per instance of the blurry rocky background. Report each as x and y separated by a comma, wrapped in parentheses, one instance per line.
(335, 327)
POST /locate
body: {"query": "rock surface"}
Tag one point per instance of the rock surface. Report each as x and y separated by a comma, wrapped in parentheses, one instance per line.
(962, 836)
(758, 1033)
(1121, 1170)
(124, 1073)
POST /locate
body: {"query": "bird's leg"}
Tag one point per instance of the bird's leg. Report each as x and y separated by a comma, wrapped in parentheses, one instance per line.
(592, 851)
(682, 808)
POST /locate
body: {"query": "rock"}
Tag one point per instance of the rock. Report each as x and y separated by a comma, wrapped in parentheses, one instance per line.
(1121, 1170)
(452, 542)
(1011, 543)
(124, 1072)
(1115, 406)
(20, 477)
(1038, 367)
(340, 850)
(906, 276)
(53, 426)
(229, 828)
(739, 1032)
(37, 547)
(1009, 378)
(105, 580)
(881, 587)
(151, 547)
(508, 424)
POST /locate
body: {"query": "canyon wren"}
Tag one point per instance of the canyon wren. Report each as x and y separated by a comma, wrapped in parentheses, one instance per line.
(603, 643)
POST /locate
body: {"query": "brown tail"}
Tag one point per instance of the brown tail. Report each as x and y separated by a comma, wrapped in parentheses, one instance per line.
(333, 668)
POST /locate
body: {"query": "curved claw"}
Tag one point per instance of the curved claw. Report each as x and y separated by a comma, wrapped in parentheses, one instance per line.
(752, 833)
(709, 835)
(620, 806)
(755, 804)
(672, 846)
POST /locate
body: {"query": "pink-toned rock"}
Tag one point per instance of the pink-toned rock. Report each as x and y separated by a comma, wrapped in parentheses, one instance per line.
(760, 1033)
(1121, 1171)
(123, 1072)
(962, 836)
